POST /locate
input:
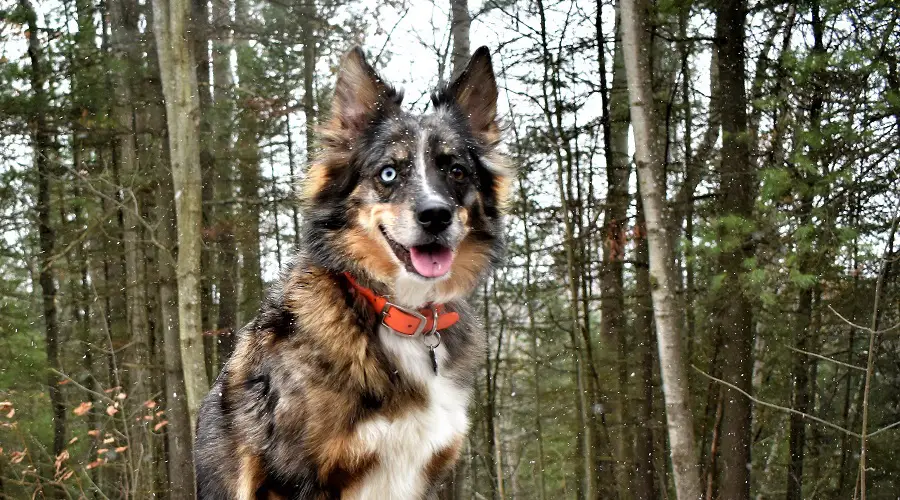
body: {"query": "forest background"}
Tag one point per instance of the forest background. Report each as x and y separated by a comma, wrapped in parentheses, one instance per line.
(701, 294)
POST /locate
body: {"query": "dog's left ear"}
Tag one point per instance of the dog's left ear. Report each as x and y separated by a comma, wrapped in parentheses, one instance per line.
(475, 90)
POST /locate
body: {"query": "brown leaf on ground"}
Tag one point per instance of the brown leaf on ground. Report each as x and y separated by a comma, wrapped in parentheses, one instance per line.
(83, 408)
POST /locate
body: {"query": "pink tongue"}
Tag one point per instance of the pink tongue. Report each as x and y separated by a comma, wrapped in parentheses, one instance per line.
(431, 261)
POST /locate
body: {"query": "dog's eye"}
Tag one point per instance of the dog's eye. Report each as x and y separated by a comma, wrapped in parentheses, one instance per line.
(458, 173)
(388, 175)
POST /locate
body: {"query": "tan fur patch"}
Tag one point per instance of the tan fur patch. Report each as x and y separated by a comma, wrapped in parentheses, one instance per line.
(443, 461)
(471, 259)
(501, 191)
(250, 475)
(463, 214)
(316, 179)
(370, 254)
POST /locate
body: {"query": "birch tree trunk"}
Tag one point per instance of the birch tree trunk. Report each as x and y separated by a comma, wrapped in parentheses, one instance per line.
(664, 284)
(171, 20)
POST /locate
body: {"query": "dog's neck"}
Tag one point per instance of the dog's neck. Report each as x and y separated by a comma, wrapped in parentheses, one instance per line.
(413, 292)
(409, 291)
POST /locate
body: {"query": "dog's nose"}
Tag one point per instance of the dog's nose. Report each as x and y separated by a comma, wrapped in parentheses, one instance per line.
(434, 217)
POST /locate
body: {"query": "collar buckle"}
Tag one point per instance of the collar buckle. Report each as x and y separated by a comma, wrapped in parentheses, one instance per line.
(423, 322)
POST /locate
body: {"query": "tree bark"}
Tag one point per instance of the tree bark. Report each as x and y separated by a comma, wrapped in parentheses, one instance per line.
(801, 363)
(223, 104)
(533, 336)
(171, 19)
(645, 470)
(248, 166)
(42, 149)
(664, 284)
(209, 258)
(737, 194)
(460, 22)
(309, 77)
(612, 301)
(123, 18)
(178, 431)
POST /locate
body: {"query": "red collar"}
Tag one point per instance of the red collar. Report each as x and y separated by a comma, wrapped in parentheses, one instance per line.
(406, 322)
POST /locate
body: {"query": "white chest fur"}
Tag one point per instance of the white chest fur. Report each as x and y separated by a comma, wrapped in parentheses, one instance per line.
(404, 446)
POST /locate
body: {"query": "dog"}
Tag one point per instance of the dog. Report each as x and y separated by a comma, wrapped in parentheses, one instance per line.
(354, 379)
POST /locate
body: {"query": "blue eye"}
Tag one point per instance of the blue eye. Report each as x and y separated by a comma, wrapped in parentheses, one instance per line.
(388, 175)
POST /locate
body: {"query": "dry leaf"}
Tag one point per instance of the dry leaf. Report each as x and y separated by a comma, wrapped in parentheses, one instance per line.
(160, 425)
(12, 413)
(83, 408)
(121, 396)
(95, 463)
(94, 433)
(150, 404)
(73, 440)
(120, 449)
(67, 475)
(62, 457)
(17, 457)
(111, 410)
(109, 440)
(102, 451)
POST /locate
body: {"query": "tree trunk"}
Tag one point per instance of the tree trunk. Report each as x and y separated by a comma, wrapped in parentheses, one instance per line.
(800, 363)
(737, 194)
(209, 265)
(309, 77)
(459, 29)
(248, 164)
(223, 104)
(535, 350)
(178, 431)
(664, 284)
(171, 20)
(42, 145)
(645, 470)
(123, 18)
(612, 301)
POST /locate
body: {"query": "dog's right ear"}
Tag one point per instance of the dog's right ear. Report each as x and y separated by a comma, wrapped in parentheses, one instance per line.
(359, 95)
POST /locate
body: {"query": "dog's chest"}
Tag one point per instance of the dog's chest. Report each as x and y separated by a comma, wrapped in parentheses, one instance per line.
(407, 446)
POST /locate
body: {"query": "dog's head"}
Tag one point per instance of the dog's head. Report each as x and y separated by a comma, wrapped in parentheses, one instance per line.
(413, 202)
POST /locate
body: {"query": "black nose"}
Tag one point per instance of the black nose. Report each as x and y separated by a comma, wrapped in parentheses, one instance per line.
(434, 217)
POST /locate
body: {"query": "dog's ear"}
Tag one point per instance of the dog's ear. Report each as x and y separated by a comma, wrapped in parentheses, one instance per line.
(475, 90)
(359, 95)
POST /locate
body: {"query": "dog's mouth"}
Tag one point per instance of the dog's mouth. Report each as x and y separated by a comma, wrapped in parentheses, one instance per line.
(431, 260)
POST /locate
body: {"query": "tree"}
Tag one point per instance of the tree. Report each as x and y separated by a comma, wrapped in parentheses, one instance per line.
(737, 193)
(459, 30)
(171, 20)
(649, 164)
(42, 140)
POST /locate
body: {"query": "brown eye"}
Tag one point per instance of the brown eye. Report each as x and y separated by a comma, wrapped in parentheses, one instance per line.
(458, 173)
